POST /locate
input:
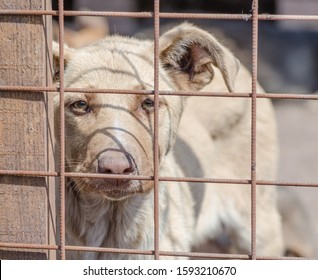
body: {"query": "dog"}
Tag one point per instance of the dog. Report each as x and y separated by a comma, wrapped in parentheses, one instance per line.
(204, 137)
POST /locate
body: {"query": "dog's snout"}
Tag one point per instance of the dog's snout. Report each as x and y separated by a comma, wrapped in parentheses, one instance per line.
(116, 162)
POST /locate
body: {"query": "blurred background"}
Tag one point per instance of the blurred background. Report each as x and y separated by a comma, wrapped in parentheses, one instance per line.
(288, 63)
(287, 48)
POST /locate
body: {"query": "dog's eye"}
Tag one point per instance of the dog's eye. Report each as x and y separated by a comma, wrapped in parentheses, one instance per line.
(148, 104)
(81, 107)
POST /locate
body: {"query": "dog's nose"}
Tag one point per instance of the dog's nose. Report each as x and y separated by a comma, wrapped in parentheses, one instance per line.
(116, 162)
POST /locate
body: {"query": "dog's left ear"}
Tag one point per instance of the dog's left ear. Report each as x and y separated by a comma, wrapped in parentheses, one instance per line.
(186, 52)
(68, 52)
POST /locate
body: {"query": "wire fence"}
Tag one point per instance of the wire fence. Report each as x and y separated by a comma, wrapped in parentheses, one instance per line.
(156, 15)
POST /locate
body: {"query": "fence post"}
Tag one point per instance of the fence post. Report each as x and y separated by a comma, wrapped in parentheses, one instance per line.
(27, 204)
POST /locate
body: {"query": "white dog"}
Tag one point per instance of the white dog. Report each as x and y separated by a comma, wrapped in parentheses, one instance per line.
(201, 137)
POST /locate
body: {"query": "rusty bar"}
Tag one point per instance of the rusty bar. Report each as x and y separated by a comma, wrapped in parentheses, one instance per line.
(156, 20)
(108, 176)
(253, 126)
(163, 253)
(205, 255)
(109, 250)
(110, 91)
(77, 13)
(215, 16)
(62, 131)
(164, 179)
(238, 182)
(109, 14)
(296, 96)
(245, 17)
(28, 246)
(287, 184)
(28, 13)
(301, 96)
(288, 17)
(204, 180)
(284, 258)
(145, 252)
(28, 89)
(223, 16)
(28, 173)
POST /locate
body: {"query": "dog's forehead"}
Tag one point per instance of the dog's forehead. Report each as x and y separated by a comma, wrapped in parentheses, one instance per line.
(112, 63)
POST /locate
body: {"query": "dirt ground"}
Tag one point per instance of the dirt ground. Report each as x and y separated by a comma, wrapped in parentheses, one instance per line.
(298, 136)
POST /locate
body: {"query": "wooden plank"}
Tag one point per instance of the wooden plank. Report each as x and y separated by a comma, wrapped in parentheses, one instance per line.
(25, 138)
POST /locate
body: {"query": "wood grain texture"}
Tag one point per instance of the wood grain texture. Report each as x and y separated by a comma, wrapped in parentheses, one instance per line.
(24, 133)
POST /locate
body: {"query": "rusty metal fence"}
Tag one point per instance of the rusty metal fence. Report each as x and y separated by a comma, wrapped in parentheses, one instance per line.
(156, 15)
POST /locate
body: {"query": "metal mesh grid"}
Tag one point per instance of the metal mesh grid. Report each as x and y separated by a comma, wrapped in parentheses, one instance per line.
(156, 15)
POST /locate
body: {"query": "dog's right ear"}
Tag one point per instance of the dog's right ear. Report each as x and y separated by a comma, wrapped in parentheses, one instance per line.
(68, 52)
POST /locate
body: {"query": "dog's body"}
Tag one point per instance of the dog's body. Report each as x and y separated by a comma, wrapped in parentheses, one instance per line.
(113, 134)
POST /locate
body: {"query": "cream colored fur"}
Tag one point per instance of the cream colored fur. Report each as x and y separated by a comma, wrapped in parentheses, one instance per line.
(211, 140)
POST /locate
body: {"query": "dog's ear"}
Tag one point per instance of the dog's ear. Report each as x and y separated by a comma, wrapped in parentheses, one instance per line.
(68, 52)
(186, 52)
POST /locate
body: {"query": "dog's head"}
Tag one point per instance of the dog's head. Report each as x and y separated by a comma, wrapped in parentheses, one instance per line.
(114, 133)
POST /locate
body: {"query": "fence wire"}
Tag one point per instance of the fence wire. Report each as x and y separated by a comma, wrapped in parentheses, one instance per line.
(156, 15)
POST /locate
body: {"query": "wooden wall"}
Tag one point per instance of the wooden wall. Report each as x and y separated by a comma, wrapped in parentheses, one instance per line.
(27, 205)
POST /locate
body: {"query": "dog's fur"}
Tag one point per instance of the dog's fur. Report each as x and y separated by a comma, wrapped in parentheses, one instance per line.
(114, 134)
